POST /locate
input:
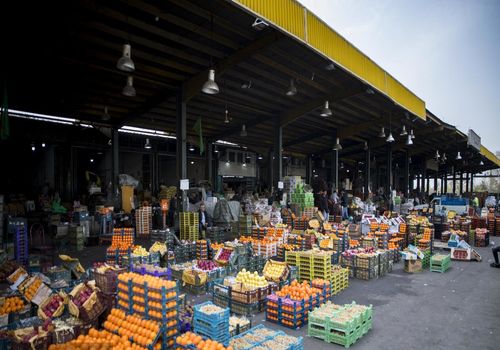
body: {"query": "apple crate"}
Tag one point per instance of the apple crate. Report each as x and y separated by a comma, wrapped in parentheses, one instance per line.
(56, 308)
(108, 280)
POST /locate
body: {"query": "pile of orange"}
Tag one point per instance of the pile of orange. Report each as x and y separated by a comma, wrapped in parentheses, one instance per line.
(190, 338)
(152, 281)
(143, 332)
(12, 304)
(298, 291)
(100, 340)
(30, 292)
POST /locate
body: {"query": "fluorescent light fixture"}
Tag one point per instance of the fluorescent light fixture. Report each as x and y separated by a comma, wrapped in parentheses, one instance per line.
(292, 90)
(210, 87)
(403, 131)
(146, 132)
(382, 132)
(147, 145)
(128, 89)
(326, 111)
(125, 63)
(42, 117)
(222, 142)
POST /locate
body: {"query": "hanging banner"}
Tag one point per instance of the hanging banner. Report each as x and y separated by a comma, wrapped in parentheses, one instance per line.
(473, 140)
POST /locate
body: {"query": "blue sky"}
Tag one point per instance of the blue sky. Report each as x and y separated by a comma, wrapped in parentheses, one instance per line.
(445, 51)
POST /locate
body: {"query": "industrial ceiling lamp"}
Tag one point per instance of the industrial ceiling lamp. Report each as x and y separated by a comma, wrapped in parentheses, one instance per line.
(330, 66)
(243, 132)
(341, 165)
(337, 146)
(437, 156)
(191, 148)
(481, 162)
(259, 24)
(105, 116)
(210, 87)
(326, 111)
(403, 131)
(43, 144)
(382, 133)
(147, 145)
(409, 141)
(459, 157)
(370, 91)
(33, 148)
(443, 158)
(128, 89)
(260, 157)
(365, 147)
(390, 138)
(125, 63)
(411, 134)
(292, 90)
(246, 85)
(216, 150)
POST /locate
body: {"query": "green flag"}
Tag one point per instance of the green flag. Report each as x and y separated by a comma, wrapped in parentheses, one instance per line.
(4, 116)
(198, 129)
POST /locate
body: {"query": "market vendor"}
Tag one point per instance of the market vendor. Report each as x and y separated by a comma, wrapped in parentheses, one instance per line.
(495, 251)
(205, 220)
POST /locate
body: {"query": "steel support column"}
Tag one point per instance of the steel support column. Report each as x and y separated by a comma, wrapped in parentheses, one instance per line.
(181, 154)
(389, 171)
(471, 182)
(308, 169)
(334, 169)
(115, 155)
(461, 187)
(454, 180)
(406, 175)
(367, 173)
(210, 162)
(436, 182)
(424, 177)
(270, 168)
(278, 153)
(466, 182)
(446, 182)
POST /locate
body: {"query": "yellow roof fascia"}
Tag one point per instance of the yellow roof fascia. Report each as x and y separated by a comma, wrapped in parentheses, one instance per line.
(295, 20)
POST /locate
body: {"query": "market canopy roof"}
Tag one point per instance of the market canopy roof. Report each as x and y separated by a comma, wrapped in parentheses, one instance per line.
(62, 61)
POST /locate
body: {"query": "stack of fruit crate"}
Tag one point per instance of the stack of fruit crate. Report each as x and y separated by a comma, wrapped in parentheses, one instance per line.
(322, 266)
(340, 279)
(189, 226)
(440, 263)
(245, 225)
(211, 321)
(143, 221)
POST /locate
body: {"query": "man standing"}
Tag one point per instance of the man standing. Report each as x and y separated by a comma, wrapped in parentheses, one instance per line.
(323, 204)
(344, 200)
(205, 220)
(475, 204)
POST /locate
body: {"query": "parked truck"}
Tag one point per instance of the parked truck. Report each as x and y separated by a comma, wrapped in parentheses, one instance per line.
(444, 204)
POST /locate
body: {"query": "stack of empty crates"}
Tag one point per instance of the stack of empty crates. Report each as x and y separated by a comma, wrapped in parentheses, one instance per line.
(20, 228)
(77, 237)
(189, 226)
(245, 225)
(143, 221)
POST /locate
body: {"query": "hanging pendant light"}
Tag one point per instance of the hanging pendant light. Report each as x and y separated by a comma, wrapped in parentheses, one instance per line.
(226, 116)
(243, 132)
(260, 157)
(326, 111)
(409, 141)
(382, 132)
(437, 155)
(292, 90)
(128, 89)
(341, 165)
(216, 150)
(458, 156)
(411, 134)
(365, 147)
(443, 158)
(403, 131)
(147, 145)
(337, 146)
(246, 85)
(481, 162)
(210, 87)
(105, 116)
(409, 160)
(125, 62)
(191, 148)
(390, 138)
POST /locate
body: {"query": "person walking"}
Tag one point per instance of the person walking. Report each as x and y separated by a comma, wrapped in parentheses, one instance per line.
(323, 204)
(495, 251)
(475, 204)
(344, 200)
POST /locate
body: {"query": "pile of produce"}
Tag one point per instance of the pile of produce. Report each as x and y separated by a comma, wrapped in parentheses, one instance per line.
(140, 251)
(52, 307)
(216, 246)
(235, 322)
(206, 265)
(192, 340)
(224, 255)
(253, 337)
(158, 247)
(11, 304)
(298, 291)
(275, 270)
(152, 282)
(210, 309)
(144, 332)
(81, 295)
(151, 269)
(32, 288)
(251, 280)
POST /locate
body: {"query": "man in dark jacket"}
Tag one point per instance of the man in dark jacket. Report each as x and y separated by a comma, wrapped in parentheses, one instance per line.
(323, 204)
(205, 220)
(344, 201)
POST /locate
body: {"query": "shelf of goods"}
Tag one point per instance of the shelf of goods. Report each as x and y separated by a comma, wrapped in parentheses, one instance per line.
(189, 226)
(215, 234)
(440, 263)
(143, 221)
(263, 338)
(211, 321)
(245, 294)
(150, 298)
(291, 305)
(343, 325)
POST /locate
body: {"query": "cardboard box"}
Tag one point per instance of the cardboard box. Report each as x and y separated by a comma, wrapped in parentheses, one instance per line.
(461, 254)
(412, 266)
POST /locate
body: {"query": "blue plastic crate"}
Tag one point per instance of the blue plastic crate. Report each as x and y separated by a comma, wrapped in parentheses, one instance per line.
(212, 318)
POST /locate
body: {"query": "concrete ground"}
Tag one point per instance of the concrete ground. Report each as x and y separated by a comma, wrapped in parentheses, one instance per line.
(459, 309)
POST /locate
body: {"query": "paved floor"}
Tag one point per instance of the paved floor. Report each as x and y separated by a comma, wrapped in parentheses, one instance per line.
(459, 309)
